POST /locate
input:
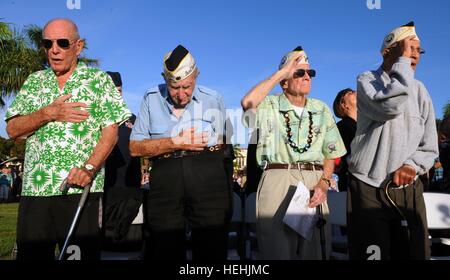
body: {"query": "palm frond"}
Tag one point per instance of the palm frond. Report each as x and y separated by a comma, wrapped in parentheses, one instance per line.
(5, 31)
(447, 110)
(34, 35)
(90, 61)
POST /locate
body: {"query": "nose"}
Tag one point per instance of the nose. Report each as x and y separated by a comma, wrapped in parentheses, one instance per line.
(180, 93)
(415, 55)
(54, 48)
(306, 76)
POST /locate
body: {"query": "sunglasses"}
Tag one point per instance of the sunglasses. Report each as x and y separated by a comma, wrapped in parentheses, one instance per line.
(62, 43)
(301, 72)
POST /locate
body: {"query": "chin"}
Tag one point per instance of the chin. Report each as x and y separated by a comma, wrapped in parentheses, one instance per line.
(305, 92)
(59, 68)
(180, 104)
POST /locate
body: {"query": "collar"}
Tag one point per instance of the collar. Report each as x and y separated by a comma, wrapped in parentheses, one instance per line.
(286, 106)
(348, 119)
(80, 66)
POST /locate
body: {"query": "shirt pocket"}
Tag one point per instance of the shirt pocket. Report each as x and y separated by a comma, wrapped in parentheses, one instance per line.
(158, 130)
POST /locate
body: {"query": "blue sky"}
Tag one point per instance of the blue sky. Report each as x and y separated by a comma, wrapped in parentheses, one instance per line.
(239, 43)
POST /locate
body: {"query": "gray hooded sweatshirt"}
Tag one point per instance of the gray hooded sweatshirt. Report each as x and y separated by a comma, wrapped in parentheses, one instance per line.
(396, 125)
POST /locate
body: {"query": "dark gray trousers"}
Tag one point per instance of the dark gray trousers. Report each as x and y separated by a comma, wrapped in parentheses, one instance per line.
(374, 230)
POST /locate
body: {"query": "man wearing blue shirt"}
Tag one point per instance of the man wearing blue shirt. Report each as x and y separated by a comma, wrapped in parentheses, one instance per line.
(180, 127)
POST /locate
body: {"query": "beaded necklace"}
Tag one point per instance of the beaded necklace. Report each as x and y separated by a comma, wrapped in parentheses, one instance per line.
(289, 133)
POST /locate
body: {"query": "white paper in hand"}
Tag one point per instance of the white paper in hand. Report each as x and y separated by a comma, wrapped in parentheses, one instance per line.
(299, 216)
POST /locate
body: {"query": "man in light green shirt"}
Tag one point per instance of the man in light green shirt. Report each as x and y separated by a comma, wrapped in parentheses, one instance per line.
(271, 122)
(298, 142)
(69, 114)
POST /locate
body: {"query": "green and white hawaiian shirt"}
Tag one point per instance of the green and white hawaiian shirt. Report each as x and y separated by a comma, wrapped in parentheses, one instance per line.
(273, 145)
(55, 148)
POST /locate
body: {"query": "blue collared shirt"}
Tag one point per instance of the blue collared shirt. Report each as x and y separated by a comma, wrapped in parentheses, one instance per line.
(205, 112)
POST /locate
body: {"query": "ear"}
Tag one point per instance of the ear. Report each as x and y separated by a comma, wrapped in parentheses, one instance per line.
(387, 55)
(343, 107)
(284, 84)
(80, 46)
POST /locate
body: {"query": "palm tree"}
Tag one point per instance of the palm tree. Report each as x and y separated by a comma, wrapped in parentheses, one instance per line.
(447, 110)
(21, 53)
(4, 30)
(17, 61)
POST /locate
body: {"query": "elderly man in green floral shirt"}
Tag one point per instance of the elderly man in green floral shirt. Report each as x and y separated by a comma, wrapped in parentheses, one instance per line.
(298, 140)
(69, 114)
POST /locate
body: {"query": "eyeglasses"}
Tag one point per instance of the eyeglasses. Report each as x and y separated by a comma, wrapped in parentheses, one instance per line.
(301, 72)
(62, 43)
(413, 50)
(418, 50)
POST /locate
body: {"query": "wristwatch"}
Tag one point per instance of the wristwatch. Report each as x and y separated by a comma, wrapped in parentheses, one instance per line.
(328, 181)
(90, 168)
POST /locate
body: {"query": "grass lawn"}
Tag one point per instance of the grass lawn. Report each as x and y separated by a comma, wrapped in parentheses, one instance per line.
(8, 221)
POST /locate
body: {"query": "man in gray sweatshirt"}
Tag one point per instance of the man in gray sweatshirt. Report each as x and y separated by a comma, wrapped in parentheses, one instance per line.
(396, 140)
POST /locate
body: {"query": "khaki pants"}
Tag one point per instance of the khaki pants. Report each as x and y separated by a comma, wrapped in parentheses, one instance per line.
(276, 240)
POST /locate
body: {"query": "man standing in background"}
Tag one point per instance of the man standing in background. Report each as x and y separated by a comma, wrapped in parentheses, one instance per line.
(122, 195)
(344, 107)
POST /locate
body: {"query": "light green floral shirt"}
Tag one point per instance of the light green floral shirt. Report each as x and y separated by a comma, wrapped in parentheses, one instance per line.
(273, 144)
(55, 148)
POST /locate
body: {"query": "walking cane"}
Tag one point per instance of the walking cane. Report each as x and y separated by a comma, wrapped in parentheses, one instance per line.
(403, 220)
(8, 160)
(64, 188)
(321, 225)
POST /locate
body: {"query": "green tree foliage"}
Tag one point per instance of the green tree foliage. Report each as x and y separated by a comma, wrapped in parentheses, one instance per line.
(10, 148)
(447, 110)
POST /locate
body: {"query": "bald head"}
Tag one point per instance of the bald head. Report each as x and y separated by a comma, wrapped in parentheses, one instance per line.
(69, 27)
(63, 59)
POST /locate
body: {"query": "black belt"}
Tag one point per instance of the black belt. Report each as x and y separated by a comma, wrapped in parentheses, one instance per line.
(182, 153)
(299, 166)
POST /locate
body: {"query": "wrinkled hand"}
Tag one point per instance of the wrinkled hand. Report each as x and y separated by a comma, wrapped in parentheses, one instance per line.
(291, 66)
(320, 194)
(80, 177)
(188, 140)
(404, 175)
(404, 47)
(63, 111)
